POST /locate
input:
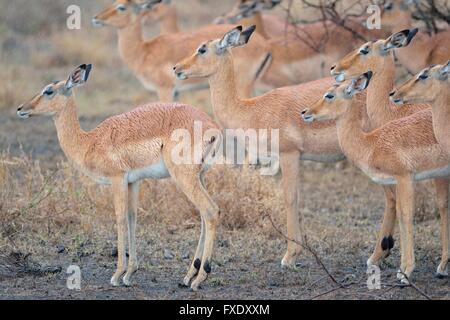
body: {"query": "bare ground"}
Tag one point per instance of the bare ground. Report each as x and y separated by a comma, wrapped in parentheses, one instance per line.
(342, 210)
(46, 207)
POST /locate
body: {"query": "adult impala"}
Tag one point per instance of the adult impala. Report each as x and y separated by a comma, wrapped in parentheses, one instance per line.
(405, 149)
(377, 56)
(277, 109)
(130, 147)
(152, 61)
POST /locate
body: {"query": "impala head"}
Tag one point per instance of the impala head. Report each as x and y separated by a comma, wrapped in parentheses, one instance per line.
(208, 58)
(123, 13)
(246, 9)
(371, 55)
(54, 97)
(336, 101)
(423, 87)
(395, 12)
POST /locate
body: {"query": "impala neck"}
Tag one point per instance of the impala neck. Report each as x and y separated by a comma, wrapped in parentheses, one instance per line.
(72, 138)
(225, 101)
(131, 44)
(257, 20)
(169, 23)
(379, 107)
(352, 138)
(441, 118)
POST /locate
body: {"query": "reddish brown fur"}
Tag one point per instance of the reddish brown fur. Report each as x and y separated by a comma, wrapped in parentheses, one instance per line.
(401, 148)
(279, 109)
(124, 145)
(152, 60)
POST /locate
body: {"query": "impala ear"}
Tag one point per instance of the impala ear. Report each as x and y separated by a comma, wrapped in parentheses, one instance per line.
(359, 84)
(246, 34)
(78, 77)
(444, 71)
(400, 39)
(147, 5)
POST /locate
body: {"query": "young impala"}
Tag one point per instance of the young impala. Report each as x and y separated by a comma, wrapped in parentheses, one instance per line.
(425, 49)
(152, 61)
(431, 85)
(377, 56)
(277, 109)
(130, 147)
(404, 149)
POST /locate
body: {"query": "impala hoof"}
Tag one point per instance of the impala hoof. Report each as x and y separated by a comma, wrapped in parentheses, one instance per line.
(127, 280)
(441, 273)
(115, 281)
(402, 278)
(186, 281)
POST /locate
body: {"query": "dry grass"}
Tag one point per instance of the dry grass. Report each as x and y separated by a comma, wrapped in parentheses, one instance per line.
(54, 203)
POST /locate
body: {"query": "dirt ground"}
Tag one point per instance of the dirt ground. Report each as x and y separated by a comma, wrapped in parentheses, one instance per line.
(52, 217)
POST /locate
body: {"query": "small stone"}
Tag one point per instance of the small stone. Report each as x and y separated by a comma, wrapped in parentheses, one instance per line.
(60, 249)
(168, 255)
(185, 255)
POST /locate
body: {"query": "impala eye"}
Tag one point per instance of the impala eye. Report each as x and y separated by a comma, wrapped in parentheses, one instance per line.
(389, 6)
(202, 50)
(329, 96)
(48, 92)
(364, 51)
(121, 8)
(423, 76)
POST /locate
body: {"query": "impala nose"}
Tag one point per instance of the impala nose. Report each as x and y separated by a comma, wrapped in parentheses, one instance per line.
(392, 93)
(96, 23)
(333, 67)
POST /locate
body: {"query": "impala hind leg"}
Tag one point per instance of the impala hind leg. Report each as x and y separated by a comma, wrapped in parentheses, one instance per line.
(442, 188)
(290, 168)
(405, 212)
(120, 194)
(197, 261)
(385, 241)
(133, 199)
(189, 180)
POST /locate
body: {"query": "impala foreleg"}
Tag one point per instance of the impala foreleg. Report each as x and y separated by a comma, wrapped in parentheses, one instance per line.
(442, 188)
(405, 213)
(133, 200)
(385, 241)
(120, 193)
(290, 168)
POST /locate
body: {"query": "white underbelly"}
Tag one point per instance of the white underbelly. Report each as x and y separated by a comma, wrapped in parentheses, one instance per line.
(419, 176)
(155, 171)
(330, 158)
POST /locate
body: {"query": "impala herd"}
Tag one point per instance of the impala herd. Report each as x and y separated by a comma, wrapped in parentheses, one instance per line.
(396, 137)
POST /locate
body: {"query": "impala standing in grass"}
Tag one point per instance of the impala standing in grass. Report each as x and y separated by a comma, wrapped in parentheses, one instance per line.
(277, 109)
(377, 56)
(127, 148)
